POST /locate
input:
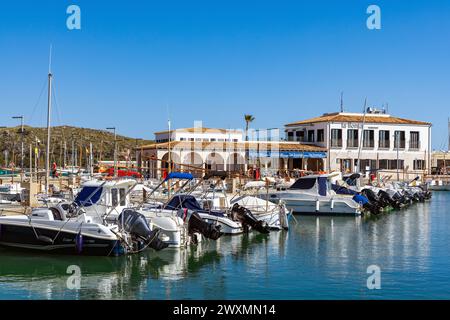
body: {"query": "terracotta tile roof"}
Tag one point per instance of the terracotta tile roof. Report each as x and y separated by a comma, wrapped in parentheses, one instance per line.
(201, 130)
(281, 146)
(348, 117)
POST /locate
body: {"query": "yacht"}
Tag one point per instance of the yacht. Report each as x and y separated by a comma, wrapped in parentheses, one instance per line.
(313, 194)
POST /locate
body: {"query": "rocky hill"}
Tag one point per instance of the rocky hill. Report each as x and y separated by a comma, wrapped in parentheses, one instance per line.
(68, 136)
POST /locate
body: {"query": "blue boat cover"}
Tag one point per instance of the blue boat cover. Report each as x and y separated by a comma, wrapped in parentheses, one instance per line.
(322, 185)
(343, 190)
(179, 175)
(183, 201)
(360, 199)
(88, 196)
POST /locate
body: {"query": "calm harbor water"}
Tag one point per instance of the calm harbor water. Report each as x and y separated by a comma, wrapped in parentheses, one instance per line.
(319, 258)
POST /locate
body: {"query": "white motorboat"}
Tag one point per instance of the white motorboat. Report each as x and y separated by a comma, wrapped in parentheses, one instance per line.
(274, 215)
(46, 229)
(313, 195)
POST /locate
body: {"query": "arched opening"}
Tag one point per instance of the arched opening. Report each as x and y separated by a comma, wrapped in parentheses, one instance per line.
(236, 163)
(174, 160)
(215, 161)
(193, 162)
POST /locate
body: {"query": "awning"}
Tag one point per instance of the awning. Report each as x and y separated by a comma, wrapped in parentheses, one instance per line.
(288, 154)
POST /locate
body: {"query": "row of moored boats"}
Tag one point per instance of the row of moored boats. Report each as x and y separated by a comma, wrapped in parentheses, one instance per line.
(124, 216)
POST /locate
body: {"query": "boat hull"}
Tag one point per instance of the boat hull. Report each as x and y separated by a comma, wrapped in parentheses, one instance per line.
(24, 238)
(317, 205)
(227, 226)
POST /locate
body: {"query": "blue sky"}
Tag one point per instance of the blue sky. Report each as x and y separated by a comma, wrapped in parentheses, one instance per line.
(133, 62)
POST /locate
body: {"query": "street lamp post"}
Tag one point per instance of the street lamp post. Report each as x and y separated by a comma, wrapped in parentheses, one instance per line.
(21, 145)
(115, 149)
(3, 127)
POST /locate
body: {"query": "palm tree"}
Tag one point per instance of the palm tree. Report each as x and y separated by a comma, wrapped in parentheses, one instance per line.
(248, 118)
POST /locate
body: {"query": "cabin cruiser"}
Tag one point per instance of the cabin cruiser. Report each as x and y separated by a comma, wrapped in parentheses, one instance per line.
(313, 194)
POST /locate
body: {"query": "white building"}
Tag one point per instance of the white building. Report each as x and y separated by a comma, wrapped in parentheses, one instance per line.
(199, 134)
(199, 149)
(379, 140)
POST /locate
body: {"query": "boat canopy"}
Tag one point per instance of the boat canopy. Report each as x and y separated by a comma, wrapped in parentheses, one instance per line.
(184, 201)
(309, 183)
(179, 175)
(88, 196)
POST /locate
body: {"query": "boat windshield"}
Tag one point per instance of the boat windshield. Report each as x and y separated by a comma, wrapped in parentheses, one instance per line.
(304, 184)
(88, 196)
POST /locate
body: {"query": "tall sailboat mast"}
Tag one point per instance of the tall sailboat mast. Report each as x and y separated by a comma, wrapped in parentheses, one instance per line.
(49, 109)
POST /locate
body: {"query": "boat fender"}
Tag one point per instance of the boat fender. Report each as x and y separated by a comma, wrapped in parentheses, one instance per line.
(332, 204)
(186, 214)
(317, 205)
(45, 239)
(79, 242)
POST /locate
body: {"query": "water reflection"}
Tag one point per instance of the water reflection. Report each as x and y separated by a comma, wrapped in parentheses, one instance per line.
(45, 277)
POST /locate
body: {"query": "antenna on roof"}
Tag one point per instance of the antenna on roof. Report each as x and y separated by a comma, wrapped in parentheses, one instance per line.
(387, 108)
(342, 101)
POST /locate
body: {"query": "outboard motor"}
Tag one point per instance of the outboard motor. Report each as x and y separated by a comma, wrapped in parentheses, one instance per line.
(244, 216)
(196, 224)
(366, 204)
(136, 224)
(373, 198)
(384, 196)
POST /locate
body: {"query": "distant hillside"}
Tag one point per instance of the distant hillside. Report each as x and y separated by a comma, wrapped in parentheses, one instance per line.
(102, 144)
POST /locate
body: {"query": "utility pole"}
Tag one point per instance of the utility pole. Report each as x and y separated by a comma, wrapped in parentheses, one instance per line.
(115, 150)
(21, 146)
